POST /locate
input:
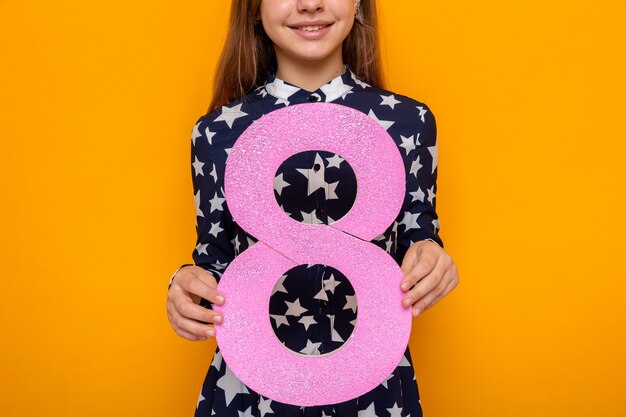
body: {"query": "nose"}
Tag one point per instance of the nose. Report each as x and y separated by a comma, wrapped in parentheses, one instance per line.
(310, 5)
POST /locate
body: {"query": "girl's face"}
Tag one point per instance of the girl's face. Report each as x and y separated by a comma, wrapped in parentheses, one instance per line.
(307, 30)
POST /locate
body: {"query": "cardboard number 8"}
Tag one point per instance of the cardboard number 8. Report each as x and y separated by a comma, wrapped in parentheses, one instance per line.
(380, 337)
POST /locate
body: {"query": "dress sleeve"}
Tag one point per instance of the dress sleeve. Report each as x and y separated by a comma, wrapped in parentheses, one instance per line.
(214, 224)
(418, 219)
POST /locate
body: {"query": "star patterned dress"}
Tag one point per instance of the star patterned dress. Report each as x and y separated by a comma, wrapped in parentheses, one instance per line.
(313, 308)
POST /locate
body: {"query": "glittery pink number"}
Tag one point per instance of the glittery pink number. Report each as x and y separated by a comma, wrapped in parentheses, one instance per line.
(246, 339)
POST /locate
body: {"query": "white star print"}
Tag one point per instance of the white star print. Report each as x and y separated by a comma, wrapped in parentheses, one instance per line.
(280, 183)
(307, 321)
(434, 154)
(389, 101)
(329, 191)
(334, 336)
(330, 284)
(196, 202)
(435, 224)
(410, 220)
(261, 91)
(431, 194)
(215, 229)
(195, 134)
(407, 143)
(217, 203)
(335, 89)
(197, 166)
(422, 113)
(219, 266)
(200, 398)
(415, 166)
(247, 413)
(217, 360)
(230, 114)
(236, 243)
(279, 286)
(321, 295)
(316, 179)
(334, 161)
(201, 248)
(384, 123)
(209, 135)
(310, 218)
(281, 90)
(404, 361)
(395, 411)
(359, 82)
(279, 319)
(417, 195)
(294, 309)
(370, 411)
(231, 385)
(388, 245)
(214, 173)
(311, 348)
(265, 406)
(350, 303)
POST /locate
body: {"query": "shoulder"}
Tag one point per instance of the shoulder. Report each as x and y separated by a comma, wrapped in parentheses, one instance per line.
(221, 125)
(408, 116)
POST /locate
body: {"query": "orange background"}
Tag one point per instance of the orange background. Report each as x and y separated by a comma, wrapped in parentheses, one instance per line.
(97, 103)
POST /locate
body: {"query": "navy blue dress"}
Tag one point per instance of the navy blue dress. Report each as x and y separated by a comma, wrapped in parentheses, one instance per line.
(313, 308)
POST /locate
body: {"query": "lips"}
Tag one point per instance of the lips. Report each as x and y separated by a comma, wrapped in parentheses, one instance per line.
(310, 26)
(311, 30)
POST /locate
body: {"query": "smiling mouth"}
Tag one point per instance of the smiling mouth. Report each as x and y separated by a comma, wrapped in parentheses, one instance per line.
(310, 28)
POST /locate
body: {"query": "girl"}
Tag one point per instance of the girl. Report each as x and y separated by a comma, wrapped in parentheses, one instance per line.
(287, 52)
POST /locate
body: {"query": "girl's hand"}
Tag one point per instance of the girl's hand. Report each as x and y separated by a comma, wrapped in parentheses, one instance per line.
(187, 317)
(430, 271)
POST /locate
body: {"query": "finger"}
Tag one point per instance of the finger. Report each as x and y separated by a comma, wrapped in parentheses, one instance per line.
(427, 299)
(425, 285)
(409, 260)
(171, 313)
(413, 253)
(192, 326)
(193, 311)
(208, 279)
(190, 336)
(449, 287)
(198, 287)
(425, 263)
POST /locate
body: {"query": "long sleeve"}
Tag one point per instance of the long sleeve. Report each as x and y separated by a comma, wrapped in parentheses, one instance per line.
(419, 220)
(214, 225)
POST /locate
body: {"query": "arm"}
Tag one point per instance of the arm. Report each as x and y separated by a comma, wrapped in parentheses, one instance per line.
(429, 272)
(419, 220)
(193, 288)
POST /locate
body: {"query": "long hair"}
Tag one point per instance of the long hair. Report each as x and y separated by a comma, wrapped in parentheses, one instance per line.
(248, 54)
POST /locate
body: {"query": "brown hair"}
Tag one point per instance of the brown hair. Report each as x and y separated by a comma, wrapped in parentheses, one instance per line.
(248, 53)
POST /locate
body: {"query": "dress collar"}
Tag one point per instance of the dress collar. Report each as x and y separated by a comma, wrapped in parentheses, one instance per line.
(287, 93)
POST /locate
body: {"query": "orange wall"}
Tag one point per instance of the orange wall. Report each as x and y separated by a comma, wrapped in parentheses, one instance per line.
(97, 102)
